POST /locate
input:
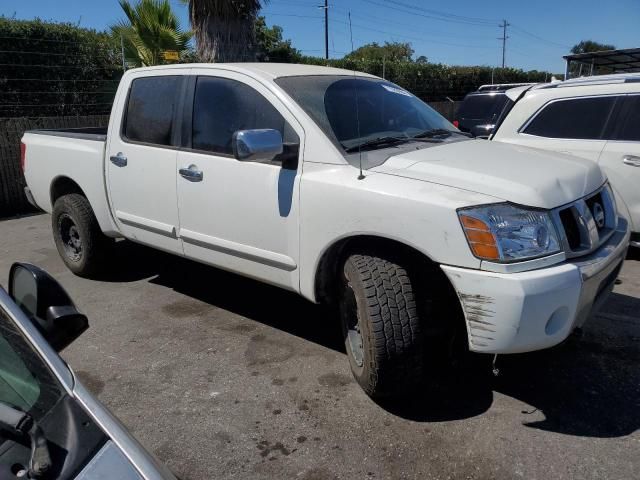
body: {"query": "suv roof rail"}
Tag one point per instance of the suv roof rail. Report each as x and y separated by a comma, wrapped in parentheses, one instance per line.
(501, 86)
(597, 80)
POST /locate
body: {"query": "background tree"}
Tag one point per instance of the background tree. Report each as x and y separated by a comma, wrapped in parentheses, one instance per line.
(270, 45)
(422, 59)
(151, 29)
(224, 29)
(390, 51)
(588, 46)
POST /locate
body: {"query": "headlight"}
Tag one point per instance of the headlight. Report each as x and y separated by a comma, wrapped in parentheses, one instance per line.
(505, 233)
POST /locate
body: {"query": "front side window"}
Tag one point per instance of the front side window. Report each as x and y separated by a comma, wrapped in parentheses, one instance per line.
(630, 125)
(150, 109)
(352, 110)
(25, 381)
(576, 118)
(223, 106)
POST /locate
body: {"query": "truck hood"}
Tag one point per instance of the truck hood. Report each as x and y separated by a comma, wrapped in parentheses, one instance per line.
(517, 174)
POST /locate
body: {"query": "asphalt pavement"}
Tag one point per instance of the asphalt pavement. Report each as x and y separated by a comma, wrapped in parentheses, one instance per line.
(224, 377)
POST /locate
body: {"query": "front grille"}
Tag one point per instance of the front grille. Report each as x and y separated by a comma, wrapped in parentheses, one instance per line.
(571, 228)
(587, 223)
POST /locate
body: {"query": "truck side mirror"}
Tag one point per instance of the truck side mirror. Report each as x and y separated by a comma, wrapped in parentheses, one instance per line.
(259, 145)
(47, 304)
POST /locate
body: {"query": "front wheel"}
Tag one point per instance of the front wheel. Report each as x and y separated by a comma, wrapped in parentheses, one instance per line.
(80, 242)
(381, 325)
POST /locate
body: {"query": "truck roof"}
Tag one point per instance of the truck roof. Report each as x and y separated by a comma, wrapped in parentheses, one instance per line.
(266, 70)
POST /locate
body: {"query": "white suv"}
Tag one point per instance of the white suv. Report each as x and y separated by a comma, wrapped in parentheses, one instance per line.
(594, 117)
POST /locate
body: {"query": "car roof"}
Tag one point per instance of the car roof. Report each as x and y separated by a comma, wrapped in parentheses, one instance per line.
(265, 70)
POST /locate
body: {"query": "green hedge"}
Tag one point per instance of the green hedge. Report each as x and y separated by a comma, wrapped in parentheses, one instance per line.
(49, 69)
(435, 81)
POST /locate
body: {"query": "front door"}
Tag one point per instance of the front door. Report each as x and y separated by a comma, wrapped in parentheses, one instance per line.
(240, 216)
(141, 162)
(620, 160)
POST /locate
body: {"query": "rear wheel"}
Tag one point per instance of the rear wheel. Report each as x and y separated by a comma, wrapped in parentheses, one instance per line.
(80, 242)
(381, 325)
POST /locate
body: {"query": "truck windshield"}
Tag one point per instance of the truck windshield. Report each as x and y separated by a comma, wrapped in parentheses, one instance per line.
(384, 110)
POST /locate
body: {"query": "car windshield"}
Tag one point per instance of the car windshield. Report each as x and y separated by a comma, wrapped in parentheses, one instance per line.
(25, 381)
(354, 111)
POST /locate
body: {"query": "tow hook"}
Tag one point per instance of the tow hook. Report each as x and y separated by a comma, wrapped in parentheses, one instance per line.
(494, 368)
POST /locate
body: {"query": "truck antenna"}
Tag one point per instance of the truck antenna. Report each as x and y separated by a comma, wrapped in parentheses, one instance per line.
(355, 93)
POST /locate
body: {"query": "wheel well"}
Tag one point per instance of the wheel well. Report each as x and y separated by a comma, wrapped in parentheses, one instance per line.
(334, 258)
(64, 186)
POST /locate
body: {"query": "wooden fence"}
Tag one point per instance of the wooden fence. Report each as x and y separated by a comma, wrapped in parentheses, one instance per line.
(12, 199)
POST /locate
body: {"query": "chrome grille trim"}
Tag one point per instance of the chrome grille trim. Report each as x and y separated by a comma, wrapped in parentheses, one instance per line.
(591, 237)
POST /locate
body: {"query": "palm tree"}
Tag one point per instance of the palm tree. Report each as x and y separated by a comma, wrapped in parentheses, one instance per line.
(150, 30)
(224, 29)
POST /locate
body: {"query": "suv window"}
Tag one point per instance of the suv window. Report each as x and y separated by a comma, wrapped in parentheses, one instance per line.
(150, 108)
(580, 118)
(482, 106)
(223, 106)
(630, 126)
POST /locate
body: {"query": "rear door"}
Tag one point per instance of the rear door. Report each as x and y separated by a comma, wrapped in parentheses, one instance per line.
(620, 158)
(141, 160)
(570, 125)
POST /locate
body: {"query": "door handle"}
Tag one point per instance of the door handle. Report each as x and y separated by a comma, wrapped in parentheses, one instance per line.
(119, 160)
(631, 160)
(191, 173)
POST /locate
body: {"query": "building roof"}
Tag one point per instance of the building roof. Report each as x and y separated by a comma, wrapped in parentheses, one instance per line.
(612, 61)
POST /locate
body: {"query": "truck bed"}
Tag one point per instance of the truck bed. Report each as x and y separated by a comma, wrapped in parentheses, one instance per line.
(85, 133)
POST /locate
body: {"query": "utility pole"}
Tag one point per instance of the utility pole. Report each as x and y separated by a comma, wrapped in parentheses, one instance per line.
(326, 29)
(504, 38)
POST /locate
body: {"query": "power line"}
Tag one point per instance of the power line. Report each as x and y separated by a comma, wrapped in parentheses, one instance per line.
(533, 35)
(433, 14)
(422, 40)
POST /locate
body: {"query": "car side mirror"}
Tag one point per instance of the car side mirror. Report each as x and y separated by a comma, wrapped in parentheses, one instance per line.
(259, 145)
(47, 304)
(482, 131)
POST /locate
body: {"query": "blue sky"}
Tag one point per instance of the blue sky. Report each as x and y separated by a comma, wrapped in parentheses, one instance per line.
(462, 32)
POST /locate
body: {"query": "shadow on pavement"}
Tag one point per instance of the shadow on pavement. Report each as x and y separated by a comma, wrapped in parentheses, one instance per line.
(588, 386)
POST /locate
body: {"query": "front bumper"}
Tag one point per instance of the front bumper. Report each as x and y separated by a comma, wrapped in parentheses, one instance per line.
(525, 311)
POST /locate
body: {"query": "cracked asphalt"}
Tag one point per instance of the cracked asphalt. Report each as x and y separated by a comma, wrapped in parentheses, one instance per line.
(224, 377)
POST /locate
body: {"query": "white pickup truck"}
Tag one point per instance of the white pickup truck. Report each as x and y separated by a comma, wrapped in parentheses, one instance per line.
(344, 188)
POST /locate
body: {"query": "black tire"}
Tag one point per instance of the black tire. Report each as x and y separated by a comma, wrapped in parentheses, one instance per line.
(81, 244)
(377, 299)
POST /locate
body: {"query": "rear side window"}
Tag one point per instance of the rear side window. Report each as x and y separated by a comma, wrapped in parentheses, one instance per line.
(479, 107)
(630, 124)
(150, 109)
(579, 118)
(223, 106)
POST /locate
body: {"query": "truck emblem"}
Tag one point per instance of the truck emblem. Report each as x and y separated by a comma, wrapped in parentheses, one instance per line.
(598, 215)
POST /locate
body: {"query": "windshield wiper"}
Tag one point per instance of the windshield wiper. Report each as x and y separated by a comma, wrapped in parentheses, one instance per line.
(375, 142)
(437, 132)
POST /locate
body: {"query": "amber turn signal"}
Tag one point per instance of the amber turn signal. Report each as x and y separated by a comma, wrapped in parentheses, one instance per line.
(481, 241)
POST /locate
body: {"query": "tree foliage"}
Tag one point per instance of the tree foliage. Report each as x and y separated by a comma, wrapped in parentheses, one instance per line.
(390, 51)
(588, 46)
(270, 45)
(150, 29)
(54, 69)
(224, 29)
